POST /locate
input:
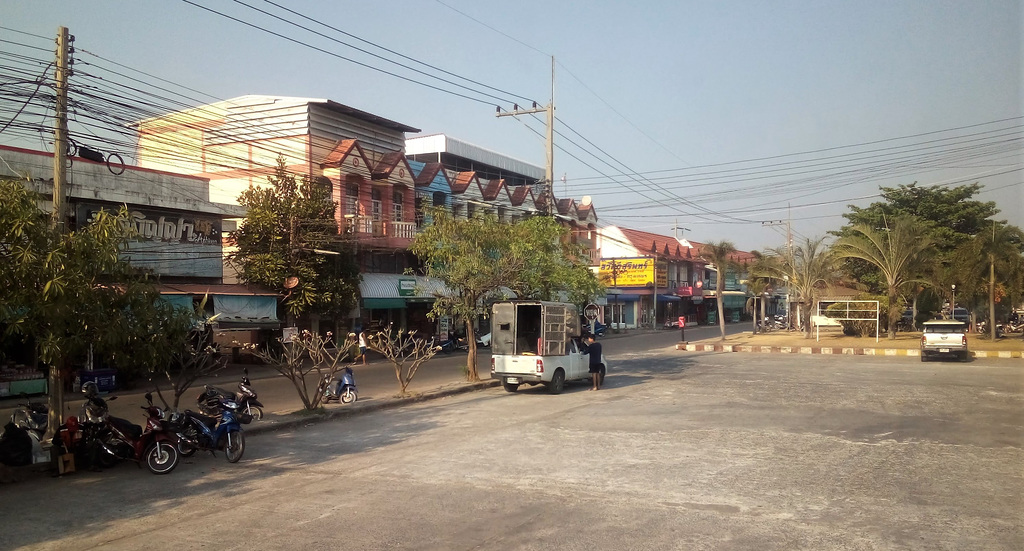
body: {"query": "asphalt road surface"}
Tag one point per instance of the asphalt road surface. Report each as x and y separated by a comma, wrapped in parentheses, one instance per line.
(679, 451)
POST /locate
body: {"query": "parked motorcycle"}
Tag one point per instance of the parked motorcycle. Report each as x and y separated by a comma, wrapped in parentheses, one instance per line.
(212, 433)
(245, 398)
(452, 344)
(109, 439)
(31, 416)
(343, 389)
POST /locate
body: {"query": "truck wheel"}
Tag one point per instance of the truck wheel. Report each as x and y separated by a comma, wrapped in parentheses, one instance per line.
(509, 387)
(923, 357)
(557, 383)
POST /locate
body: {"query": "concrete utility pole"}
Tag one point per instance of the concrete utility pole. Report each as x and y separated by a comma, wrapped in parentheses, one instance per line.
(55, 381)
(549, 168)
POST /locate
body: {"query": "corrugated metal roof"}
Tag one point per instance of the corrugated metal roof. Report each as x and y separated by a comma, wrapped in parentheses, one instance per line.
(440, 143)
(386, 286)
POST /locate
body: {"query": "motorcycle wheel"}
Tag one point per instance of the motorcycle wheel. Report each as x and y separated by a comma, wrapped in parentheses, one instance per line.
(235, 446)
(349, 396)
(184, 448)
(161, 457)
(256, 412)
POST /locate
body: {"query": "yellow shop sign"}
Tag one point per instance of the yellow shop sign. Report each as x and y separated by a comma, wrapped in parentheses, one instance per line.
(632, 272)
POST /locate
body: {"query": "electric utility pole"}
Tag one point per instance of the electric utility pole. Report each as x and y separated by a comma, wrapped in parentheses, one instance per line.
(60, 146)
(549, 168)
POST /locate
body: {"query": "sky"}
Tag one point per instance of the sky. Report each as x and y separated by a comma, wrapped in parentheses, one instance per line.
(738, 121)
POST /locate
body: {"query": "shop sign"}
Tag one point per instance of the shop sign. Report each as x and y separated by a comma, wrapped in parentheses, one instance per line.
(406, 287)
(632, 272)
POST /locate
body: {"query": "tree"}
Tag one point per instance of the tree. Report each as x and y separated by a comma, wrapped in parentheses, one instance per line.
(479, 257)
(310, 361)
(901, 250)
(290, 232)
(720, 254)
(65, 292)
(992, 266)
(193, 356)
(402, 347)
(808, 269)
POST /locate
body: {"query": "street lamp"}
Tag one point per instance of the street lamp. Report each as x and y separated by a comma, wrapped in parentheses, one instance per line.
(952, 305)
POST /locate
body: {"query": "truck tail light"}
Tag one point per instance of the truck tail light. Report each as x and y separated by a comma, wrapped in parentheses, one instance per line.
(492, 365)
(923, 339)
(540, 365)
(965, 341)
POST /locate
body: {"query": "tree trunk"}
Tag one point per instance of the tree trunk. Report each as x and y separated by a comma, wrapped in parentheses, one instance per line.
(891, 314)
(721, 314)
(471, 372)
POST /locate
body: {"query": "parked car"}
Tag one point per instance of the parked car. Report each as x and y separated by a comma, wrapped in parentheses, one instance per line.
(944, 338)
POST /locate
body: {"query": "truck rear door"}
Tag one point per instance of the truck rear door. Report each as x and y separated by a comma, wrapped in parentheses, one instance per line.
(503, 328)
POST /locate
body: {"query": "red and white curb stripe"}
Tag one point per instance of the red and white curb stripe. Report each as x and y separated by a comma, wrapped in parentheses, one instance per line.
(834, 350)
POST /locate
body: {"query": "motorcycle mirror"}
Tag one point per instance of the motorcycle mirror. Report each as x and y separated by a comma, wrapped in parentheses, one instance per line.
(245, 371)
(149, 398)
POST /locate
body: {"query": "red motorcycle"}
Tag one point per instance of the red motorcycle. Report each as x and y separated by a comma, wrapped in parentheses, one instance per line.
(119, 439)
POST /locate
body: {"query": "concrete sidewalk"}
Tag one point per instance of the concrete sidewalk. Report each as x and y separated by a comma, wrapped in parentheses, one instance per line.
(905, 344)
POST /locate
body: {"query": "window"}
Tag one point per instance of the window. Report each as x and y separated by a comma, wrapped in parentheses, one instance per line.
(352, 199)
(438, 199)
(501, 214)
(397, 197)
(376, 205)
(419, 212)
(470, 210)
(456, 210)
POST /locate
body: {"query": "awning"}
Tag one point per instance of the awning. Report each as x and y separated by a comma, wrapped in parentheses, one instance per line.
(179, 301)
(623, 298)
(668, 298)
(400, 286)
(383, 303)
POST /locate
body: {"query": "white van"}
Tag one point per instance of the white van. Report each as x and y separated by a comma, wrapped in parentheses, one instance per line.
(535, 342)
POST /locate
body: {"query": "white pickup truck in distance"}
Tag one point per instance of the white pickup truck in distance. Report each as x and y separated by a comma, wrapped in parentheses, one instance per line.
(536, 342)
(944, 338)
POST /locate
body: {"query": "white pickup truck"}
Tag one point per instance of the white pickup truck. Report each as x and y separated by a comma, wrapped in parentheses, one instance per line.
(536, 342)
(944, 338)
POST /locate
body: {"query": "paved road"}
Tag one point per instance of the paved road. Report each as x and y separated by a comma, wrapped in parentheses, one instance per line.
(679, 451)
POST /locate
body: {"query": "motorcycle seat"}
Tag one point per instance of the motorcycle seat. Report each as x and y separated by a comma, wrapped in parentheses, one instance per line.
(127, 427)
(204, 419)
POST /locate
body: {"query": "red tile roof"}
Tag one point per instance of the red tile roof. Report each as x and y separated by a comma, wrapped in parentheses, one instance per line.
(652, 243)
(388, 163)
(517, 194)
(428, 172)
(462, 181)
(491, 189)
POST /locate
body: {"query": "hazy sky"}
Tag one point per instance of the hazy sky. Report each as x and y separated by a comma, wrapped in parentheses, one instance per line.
(666, 106)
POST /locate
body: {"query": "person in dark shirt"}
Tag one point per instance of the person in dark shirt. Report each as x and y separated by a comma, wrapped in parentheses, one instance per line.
(596, 361)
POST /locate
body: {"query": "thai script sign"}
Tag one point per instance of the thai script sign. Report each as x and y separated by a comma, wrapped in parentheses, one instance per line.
(632, 272)
(157, 226)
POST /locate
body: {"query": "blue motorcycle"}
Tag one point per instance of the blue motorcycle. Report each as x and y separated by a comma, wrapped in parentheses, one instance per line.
(202, 432)
(344, 390)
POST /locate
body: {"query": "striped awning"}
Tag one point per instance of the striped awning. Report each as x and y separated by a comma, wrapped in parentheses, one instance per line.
(400, 286)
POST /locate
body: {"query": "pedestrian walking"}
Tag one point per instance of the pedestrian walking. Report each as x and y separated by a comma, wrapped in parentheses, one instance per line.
(362, 346)
(596, 361)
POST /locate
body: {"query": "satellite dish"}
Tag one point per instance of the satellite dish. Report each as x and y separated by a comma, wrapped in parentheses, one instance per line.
(291, 282)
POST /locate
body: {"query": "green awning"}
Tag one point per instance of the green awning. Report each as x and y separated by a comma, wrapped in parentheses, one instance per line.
(383, 303)
(734, 301)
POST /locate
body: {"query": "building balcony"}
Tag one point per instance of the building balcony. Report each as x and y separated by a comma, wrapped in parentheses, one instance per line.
(382, 233)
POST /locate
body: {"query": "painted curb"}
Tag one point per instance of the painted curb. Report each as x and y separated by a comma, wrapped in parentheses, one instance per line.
(910, 352)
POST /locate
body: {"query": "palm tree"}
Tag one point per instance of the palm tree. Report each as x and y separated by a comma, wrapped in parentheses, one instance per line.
(901, 249)
(995, 258)
(808, 268)
(719, 255)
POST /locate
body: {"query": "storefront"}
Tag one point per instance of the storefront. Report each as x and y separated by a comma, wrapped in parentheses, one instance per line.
(399, 300)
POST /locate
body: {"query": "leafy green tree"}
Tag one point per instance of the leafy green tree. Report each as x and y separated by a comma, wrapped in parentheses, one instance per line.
(290, 232)
(991, 266)
(720, 255)
(479, 256)
(65, 292)
(808, 269)
(554, 267)
(901, 250)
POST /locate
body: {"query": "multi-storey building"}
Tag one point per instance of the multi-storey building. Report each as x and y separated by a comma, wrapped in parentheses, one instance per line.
(381, 191)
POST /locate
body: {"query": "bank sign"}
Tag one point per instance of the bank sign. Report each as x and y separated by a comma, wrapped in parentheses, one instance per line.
(632, 272)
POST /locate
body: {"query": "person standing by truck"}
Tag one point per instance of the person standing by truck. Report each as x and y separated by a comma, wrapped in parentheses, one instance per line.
(596, 361)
